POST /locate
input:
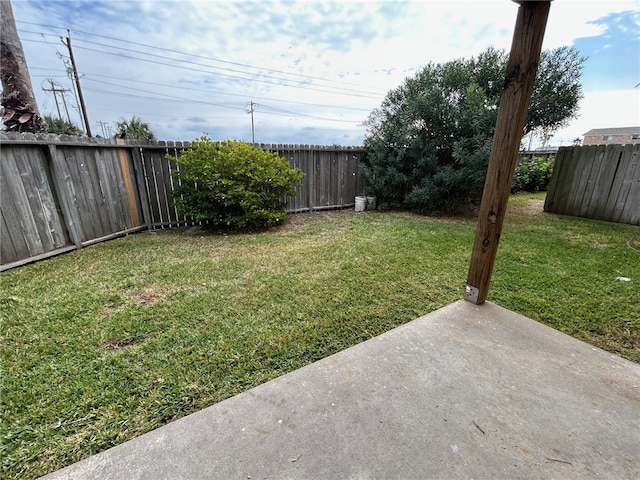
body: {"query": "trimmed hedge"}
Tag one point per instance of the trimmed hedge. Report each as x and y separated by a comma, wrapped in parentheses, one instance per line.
(233, 184)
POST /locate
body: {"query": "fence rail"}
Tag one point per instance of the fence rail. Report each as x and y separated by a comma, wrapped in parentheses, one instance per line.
(601, 182)
(59, 193)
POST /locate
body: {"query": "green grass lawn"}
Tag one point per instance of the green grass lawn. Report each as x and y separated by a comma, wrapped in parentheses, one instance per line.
(106, 343)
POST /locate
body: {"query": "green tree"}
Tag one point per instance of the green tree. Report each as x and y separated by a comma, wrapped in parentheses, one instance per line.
(429, 142)
(556, 92)
(61, 127)
(233, 184)
(134, 129)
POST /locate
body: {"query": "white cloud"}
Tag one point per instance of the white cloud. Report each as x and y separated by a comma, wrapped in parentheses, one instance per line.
(571, 19)
(366, 47)
(620, 108)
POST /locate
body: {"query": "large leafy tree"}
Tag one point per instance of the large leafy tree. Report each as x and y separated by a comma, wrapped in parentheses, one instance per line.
(429, 142)
(557, 91)
(134, 129)
(19, 108)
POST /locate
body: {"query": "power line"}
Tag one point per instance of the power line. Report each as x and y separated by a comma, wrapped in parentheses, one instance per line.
(128, 42)
(231, 76)
(303, 87)
(223, 106)
(283, 82)
(89, 75)
(120, 49)
(172, 98)
(159, 95)
(286, 113)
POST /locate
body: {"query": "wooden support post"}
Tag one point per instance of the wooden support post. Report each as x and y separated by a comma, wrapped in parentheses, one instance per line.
(512, 115)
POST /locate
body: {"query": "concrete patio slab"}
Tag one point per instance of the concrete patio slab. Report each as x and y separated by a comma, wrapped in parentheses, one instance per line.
(465, 392)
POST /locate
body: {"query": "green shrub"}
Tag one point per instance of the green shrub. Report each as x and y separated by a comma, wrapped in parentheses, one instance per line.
(233, 183)
(532, 175)
(61, 127)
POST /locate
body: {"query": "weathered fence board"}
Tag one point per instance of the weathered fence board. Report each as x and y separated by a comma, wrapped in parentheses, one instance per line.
(628, 200)
(61, 182)
(151, 190)
(8, 250)
(97, 189)
(84, 198)
(159, 187)
(61, 193)
(552, 189)
(603, 183)
(31, 221)
(325, 184)
(141, 184)
(597, 181)
(582, 198)
(58, 197)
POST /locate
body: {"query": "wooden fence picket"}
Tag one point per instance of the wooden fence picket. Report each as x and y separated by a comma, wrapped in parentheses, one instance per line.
(597, 181)
(61, 193)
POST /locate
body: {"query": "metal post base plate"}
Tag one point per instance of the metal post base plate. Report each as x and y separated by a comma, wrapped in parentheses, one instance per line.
(471, 294)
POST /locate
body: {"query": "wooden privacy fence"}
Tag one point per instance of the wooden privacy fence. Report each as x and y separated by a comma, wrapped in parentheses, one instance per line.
(60, 193)
(597, 181)
(332, 178)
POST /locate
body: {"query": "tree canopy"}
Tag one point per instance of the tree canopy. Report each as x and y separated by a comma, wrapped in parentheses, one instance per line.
(428, 144)
(61, 127)
(134, 129)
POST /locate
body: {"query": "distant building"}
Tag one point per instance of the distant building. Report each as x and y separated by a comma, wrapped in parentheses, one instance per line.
(607, 136)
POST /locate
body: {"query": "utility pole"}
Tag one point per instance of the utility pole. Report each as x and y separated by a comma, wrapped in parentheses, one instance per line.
(55, 97)
(76, 78)
(55, 91)
(106, 129)
(250, 109)
(64, 102)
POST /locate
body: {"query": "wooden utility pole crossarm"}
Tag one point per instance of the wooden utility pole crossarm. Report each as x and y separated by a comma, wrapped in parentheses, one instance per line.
(512, 115)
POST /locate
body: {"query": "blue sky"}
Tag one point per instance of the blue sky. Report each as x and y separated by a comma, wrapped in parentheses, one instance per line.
(613, 56)
(314, 70)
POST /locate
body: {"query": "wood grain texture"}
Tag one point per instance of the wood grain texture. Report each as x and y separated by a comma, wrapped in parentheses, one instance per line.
(601, 182)
(514, 103)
